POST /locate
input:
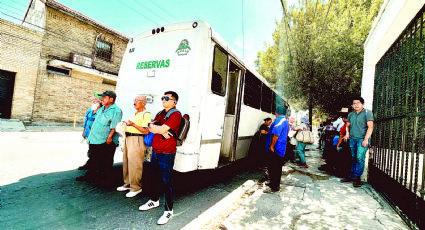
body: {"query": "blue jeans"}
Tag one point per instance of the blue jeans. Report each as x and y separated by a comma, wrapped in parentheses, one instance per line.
(162, 177)
(358, 154)
(301, 151)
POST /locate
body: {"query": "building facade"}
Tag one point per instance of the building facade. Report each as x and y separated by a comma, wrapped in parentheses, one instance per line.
(20, 50)
(79, 57)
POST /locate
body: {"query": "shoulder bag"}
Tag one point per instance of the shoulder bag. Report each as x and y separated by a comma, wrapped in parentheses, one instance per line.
(305, 137)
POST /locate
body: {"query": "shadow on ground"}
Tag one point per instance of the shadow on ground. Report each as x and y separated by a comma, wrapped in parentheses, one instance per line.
(58, 201)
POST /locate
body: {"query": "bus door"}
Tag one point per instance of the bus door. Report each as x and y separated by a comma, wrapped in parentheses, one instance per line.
(231, 119)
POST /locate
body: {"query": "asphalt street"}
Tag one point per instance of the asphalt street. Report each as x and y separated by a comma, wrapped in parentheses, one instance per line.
(39, 190)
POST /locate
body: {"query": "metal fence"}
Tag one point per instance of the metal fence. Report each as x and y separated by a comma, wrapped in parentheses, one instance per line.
(397, 164)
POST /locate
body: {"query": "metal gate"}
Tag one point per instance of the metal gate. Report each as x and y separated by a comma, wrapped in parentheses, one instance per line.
(397, 163)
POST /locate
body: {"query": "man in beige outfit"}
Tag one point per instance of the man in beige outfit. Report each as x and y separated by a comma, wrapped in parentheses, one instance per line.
(134, 148)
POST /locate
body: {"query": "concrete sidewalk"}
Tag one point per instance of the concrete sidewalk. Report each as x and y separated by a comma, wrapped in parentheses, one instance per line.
(15, 125)
(311, 199)
(308, 198)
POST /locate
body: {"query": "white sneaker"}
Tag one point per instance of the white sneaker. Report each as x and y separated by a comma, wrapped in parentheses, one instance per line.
(122, 188)
(149, 205)
(165, 217)
(132, 194)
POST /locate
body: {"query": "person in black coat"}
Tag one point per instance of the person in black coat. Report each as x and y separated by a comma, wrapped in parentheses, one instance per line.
(257, 149)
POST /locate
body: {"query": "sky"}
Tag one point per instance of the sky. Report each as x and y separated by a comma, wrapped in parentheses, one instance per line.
(245, 24)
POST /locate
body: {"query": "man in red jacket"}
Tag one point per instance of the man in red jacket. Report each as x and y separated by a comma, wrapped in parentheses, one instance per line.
(165, 127)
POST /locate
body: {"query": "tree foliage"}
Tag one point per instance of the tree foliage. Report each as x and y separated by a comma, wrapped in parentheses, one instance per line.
(316, 58)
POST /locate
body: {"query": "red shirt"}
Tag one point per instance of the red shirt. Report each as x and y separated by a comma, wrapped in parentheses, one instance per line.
(159, 143)
(342, 131)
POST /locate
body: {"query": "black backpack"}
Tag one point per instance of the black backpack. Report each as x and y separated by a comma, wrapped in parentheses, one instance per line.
(183, 127)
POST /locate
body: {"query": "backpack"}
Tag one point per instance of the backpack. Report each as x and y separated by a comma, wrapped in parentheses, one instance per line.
(183, 127)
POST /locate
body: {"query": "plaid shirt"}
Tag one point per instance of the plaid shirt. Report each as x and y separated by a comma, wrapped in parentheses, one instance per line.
(106, 119)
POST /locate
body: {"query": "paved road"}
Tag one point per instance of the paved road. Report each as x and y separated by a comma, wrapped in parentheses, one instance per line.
(39, 191)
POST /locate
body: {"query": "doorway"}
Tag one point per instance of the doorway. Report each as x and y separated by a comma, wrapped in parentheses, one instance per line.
(7, 85)
(231, 119)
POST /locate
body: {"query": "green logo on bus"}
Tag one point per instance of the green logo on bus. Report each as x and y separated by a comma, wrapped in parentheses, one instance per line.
(183, 48)
(153, 64)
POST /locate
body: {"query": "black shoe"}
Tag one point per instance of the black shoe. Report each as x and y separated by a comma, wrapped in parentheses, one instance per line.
(270, 190)
(84, 167)
(357, 183)
(324, 167)
(81, 178)
(347, 180)
(86, 178)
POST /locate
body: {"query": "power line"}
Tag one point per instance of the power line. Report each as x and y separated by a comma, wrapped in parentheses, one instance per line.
(286, 24)
(100, 66)
(57, 47)
(324, 21)
(285, 15)
(19, 37)
(10, 12)
(12, 7)
(19, 3)
(58, 34)
(314, 15)
(68, 1)
(163, 10)
(243, 35)
(150, 11)
(138, 12)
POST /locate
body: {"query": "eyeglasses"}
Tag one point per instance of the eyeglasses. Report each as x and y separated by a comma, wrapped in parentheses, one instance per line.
(166, 98)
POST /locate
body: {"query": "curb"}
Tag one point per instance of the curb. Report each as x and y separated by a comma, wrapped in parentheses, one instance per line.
(52, 130)
(227, 204)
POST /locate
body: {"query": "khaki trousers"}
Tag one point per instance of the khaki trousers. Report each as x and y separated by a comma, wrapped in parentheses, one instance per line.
(133, 156)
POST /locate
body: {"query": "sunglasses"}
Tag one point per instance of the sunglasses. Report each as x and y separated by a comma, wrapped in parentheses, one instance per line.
(166, 98)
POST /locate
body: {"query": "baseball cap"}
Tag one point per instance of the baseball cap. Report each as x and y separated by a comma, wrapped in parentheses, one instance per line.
(281, 110)
(343, 110)
(109, 93)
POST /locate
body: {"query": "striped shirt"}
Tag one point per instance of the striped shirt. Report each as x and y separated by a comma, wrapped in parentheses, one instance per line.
(106, 119)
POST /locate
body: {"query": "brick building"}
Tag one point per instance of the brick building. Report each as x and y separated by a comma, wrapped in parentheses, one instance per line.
(79, 56)
(20, 50)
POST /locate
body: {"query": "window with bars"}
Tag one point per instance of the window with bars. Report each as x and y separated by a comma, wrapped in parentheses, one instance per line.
(103, 50)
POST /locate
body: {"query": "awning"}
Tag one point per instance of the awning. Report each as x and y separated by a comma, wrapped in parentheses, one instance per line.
(83, 69)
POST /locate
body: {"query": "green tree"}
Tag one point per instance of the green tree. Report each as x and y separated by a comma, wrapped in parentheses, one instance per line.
(316, 59)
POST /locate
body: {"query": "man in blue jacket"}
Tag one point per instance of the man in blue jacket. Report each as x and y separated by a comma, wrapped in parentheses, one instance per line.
(276, 145)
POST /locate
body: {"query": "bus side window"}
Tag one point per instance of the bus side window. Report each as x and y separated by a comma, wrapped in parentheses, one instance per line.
(252, 91)
(266, 99)
(219, 74)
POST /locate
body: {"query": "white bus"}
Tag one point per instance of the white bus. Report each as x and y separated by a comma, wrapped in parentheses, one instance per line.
(225, 99)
